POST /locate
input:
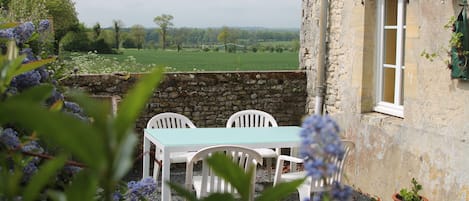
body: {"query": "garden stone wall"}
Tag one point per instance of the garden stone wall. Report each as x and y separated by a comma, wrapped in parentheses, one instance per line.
(209, 98)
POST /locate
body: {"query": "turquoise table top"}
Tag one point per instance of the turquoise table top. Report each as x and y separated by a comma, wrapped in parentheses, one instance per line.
(278, 136)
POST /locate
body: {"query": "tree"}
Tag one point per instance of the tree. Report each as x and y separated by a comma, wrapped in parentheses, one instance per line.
(225, 36)
(26, 10)
(138, 33)
(117, 31)
(64, 18)
(76, 40)
(97, 30)
(164, 21)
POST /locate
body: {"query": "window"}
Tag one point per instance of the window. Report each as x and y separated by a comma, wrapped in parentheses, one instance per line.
(390, 57)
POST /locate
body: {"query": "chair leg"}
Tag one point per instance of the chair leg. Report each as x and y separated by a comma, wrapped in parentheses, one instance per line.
(269, 167)
(156, 171)
(304, 191)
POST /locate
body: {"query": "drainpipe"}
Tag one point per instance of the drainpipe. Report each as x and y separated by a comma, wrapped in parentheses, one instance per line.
(321, 62)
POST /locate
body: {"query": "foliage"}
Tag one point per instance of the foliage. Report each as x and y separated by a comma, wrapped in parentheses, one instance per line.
(92, 63)
(64, 16)
(27, 10)
(138, 33)
(457, 49)
(164, 21)
(413, 194)
(61, 13)
(76, 41)
(225, 36)
(118, 24)
(240, 180)
(25, 172)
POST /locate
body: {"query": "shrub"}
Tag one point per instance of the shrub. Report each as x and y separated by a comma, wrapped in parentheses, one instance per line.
(28, 166)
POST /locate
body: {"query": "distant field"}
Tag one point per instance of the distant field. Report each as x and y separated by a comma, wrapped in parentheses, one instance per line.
(213, 61)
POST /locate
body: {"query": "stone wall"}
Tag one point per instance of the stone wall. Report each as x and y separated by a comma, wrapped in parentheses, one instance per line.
(209, 98)
(431, 140)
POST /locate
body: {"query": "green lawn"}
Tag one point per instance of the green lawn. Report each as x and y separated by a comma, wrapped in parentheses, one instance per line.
(213, 61)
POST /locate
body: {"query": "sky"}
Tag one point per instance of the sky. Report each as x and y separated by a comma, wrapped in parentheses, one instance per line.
(192, 13)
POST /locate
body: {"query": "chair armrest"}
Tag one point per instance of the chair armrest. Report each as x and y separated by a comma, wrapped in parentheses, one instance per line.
(282, 158)
(280, 164)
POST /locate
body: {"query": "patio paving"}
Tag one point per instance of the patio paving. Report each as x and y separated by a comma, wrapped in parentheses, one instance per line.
(262, 182)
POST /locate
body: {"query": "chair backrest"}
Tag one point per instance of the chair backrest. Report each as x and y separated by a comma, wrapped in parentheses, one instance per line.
(170, 120)
(246, 158)
(320, 184)
(251, 118)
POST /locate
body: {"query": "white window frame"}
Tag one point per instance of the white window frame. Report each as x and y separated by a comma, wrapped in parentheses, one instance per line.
(397, 107)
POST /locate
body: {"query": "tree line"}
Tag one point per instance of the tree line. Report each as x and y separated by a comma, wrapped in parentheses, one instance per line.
(110, 39)
(69, 34)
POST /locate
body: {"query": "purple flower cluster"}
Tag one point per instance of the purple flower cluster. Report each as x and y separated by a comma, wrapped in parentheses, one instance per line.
(72, 107)
(23, 32)
(32, 147)
(142, 189)
(26, 80)
(320, 143)
(9, 138)
(30, 169)
(43, 26)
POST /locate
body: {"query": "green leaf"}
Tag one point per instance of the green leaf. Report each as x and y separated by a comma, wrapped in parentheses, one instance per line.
(37, 94)
(32, 65)
(99, 111)
(7, 70)
(42, 177)
(280, 191)
(135, 101)
(123, 160)
(56, 195)
(232, 173)
(13, 66)
(182, 191)
(8, 25)
(10, 185)
(83, 187)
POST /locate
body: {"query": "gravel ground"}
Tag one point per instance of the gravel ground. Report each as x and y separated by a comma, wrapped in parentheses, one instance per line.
(262, 182)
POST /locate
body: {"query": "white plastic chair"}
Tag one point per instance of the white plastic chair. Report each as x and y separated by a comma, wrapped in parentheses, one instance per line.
(208, 182)
(256, 118)
(310, 185)
(169, 120)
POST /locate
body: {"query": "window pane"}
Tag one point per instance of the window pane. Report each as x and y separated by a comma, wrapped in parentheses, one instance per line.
(391, 13)
(390, 46)
(388, 84)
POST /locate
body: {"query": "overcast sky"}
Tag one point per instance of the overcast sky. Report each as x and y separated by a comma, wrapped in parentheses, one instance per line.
(192, 13)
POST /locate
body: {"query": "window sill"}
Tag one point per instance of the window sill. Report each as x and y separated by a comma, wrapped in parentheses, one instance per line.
(390, 109)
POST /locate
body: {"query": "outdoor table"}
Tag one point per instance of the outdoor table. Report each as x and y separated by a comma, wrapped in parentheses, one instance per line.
(193, 139)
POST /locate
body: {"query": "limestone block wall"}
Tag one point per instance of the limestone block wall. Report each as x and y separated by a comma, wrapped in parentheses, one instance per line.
(430, 142)
(209, 98)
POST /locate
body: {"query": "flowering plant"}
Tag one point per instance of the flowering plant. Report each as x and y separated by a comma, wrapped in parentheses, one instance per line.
(33, 111)
(320, 145)
(137, 190)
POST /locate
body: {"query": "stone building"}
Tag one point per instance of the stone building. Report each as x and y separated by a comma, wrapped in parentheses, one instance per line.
(406, 115)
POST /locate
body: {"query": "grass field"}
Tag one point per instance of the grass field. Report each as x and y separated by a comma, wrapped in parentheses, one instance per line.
(213, 61)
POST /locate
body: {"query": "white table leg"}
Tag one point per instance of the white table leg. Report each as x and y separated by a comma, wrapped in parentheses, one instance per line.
(146, 157)
(165, 176)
